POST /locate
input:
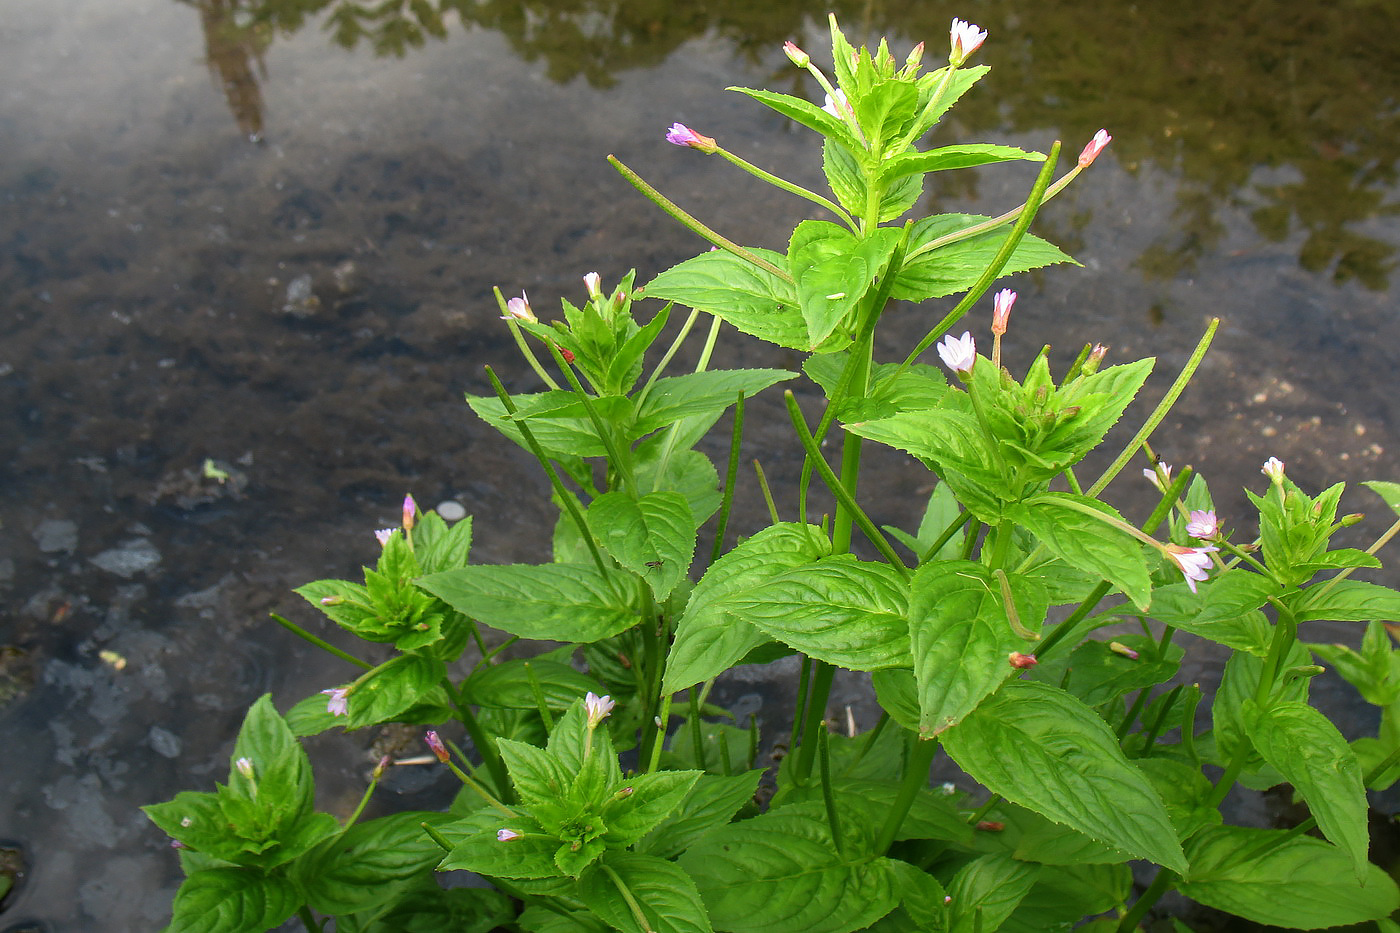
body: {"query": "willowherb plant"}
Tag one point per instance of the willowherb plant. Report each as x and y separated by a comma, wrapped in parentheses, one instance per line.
(1086, 755)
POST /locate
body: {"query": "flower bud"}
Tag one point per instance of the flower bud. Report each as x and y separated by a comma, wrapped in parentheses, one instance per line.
(681, 135)
(1094, 359)
(1352, 519)
(437, 747)
(1273, 469)
(594, 284)
(1118, 647)
(245, 767)
(410, 513)
(507, 835)
(1022, 661)
(915, 58)
(798, 57)
(385, 764)
(1001, 310)
(1095, 146)
(520, 310)
(623, 794)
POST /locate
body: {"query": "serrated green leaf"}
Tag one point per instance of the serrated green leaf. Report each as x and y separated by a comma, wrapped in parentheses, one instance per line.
(755, 301)
(1096, 674)
(653, 536)
(833, 269)
(987, 890)
(232, 900)
(1043, 749)
(1184, 790)
(954, 157)
(1272, 876)
(708, 393)
(781, 873)
(536, 774)
(709, 637)
(393, 688)
(559, 602)
(712, 802)
(804, 112)
(477, 848)
(1064, 894)
(1085, 541)
(661, 890)
(1347, 601)
(556, 419)
(961, 636)
(356, 870)
(507, 685)
(653, 797)
(956, 266)
(1309, 751)
(838, 609)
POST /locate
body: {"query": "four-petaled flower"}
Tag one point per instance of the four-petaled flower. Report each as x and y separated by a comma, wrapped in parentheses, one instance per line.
(597, 708)
(1095, 146)
(837, 105)
(339, 702)
(1202, 524)
(384, 534)
(964, 39)
(681, 135)
(1159, 475)
(519, 309)
(1273, 469)
(958, 353)
(1193, 562)
(1001, 310)
(506, 835)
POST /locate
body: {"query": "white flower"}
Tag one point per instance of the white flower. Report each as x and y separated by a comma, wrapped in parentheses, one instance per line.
(1159, 476)
(958, 353)
(1095, 146)
(245, 767)
(963, 39)
(339, 702)
(1273, 469)
(597, 708)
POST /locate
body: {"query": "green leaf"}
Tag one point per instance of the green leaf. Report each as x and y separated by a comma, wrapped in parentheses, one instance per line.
(557, 419)
(653, 536)
(708, 393)
(665, 894)
(987, 890)
(507, 685)
(1309, 751)
(1389, 492)
(960, 637)
(953, 157)
(560, 602)
(838, 609)
(1272, 876)
(1063, 895)
(1043, 749)
(394, 687)
(712, 802)
(1184, 790)
(753, 300)
(956, 266)
(1374, 672)
(537, 775)
(478, 849)
(652, 798)
(804, 112)
(781, 873)
(355, 871)
(1096, 674)
(833, 271)
(1223, 610)
(232, 900)
(542, 920)
(1348, 601)
(280, 765)
(427, 908)
(444, 547)
(709, 637)
(1087, 542)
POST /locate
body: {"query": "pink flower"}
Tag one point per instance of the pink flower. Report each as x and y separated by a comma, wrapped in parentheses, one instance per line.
(597, 708)
(507, 835)
(383, 535)
(1001, 310)
(1160, 476)
(1273, 469)
(339, 702)
(435, 743)
(964, 39)
(1193, 562)
(520, 310)
(1022, 661)
(681, 135)
(958, 353)
(1091, 151)
(1202, 524)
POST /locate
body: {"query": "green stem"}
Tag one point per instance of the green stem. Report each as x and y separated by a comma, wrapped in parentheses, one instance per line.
(665, 361)
(731, 476)
(1095, 596)
(953, 527)
(917, 760)
(767, 493)
(654, 760)
(320, 643)
(788, 186)
(799, 713)
(849, 510)
(1381, 542)
(697, 740)
(485, 746)
(307, 920)
(1166, 879)
(632, 904)
(1159, 413)
(828, 796)
(541, 703)
(822, 675)
(695, 226)
(621, 464)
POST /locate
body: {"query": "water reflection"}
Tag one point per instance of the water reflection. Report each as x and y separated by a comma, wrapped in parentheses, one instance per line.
(1289, 110)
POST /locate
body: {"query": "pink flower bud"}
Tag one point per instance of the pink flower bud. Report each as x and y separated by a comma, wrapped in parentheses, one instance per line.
(437, 747)
(1001, 310)
(1273, 469)
(1095, 359)
(383, 535)
(1160, 476)
(958, 353)
(681, 135)
(1095, 146)
(916, 57)
(594, 284)
(507, 835)
(177, 844)
(798, 57)
(1022, 661)
(964, 39)
(410, 513)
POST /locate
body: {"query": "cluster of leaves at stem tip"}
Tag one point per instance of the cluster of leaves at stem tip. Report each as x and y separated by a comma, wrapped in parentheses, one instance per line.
(603, 790)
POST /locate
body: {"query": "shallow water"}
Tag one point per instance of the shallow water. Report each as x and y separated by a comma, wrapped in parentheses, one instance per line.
(307, 309)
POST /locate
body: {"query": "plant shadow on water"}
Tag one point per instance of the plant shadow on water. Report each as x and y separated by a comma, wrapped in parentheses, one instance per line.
(302, 313)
